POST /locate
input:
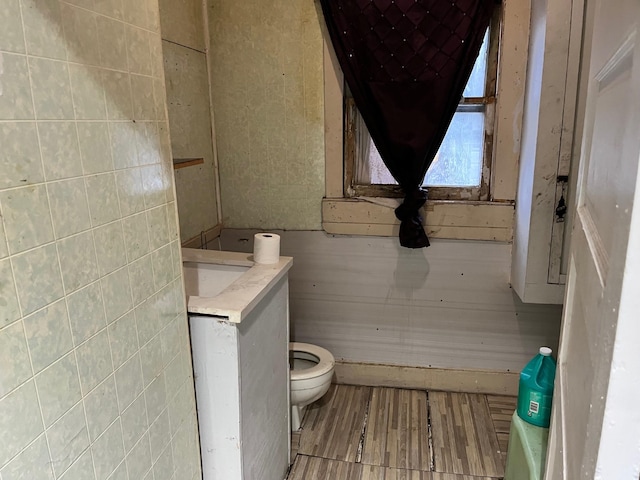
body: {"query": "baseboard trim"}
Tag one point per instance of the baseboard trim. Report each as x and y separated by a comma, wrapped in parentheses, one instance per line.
(446, 379)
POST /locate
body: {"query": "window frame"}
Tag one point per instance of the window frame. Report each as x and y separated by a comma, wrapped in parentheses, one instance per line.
(484, 104)
(456, 219)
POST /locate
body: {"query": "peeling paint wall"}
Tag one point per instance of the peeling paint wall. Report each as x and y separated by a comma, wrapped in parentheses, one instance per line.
(267, 92)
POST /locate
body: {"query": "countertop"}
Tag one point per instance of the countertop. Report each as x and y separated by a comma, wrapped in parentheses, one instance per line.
(240, 297)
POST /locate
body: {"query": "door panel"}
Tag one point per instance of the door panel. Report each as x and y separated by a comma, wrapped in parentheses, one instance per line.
(595, 428)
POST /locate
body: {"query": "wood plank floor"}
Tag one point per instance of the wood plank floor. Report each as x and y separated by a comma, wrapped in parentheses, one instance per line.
(333, 426)
(397, 432)
(373, 433)
(464, 439)
(502, 409)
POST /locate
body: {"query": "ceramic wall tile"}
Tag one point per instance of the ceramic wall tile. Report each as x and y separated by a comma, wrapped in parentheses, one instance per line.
(160, 100)
(147, 322)
(174, 375)
(141, 273)
(151, 360)
(16, 100)
(94, 361)
(51, 89)
(14, 357)
(116, 291)
(158, 433)
(123, 338)
(86, 313)
(95, 147)
(58, 388)
(138, 14)
(112, 43)
(156, 397)
(87, 4)
(170, 339)
(81, 34)
(11, 33)
(123, 144)
(117, 90)
(60, 150)
(120, 473)
(110, 247)
(164, 465)
(143, 100)
(101, 406)
(82, 469)
(69, 206)
(134, 423)
(103, 198)
(130, 191)
(48, 335)
(154, 184)
(19, 158)
(108, 451)
(68, 439)
(87, 92)
(26, 217)
(78, 261)
(148, 144)
(44, 39)
(129, 382)
(78, 176)
(4, 250)
(158, 227)
(138, 50)
(110, 8)
(139, 460)
(22, 403)
(10, 310)
(38, 278)
(32, 462)
(136, 236)
(162, 266)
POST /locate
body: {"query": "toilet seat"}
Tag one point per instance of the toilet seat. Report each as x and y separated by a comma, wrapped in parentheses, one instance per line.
(325, 363)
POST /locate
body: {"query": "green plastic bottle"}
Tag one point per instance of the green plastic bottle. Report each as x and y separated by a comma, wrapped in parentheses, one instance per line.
(535, 391)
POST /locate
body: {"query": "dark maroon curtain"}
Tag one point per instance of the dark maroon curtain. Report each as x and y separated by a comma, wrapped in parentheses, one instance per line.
(407, 63)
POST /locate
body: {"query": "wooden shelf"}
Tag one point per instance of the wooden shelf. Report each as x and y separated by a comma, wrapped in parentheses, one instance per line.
(186, 162)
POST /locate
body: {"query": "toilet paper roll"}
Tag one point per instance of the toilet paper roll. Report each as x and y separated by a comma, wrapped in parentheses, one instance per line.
(266, 248)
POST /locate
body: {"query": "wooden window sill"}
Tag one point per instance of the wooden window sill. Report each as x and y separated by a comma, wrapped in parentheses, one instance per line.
(467, 220)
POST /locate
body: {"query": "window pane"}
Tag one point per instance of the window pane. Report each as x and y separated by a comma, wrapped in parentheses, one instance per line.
(458, 163)
(475, 85)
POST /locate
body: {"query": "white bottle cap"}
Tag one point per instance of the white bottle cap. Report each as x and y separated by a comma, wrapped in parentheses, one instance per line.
(545, 351)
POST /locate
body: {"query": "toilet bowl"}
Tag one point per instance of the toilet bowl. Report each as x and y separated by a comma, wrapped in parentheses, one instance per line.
(311, 370)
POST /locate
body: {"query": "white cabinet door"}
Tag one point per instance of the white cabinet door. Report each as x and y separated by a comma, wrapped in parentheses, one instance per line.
(595, 429)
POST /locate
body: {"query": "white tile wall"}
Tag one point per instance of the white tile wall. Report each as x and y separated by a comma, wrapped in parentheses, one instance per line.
(95, 371)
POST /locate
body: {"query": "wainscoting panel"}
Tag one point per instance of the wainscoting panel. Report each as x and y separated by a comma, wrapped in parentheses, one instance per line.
(366, 299)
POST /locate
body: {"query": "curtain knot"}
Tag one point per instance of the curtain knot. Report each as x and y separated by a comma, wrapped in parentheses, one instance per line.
(412, 234)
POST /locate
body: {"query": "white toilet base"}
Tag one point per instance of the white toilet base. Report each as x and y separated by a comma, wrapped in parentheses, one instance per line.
(297, 414)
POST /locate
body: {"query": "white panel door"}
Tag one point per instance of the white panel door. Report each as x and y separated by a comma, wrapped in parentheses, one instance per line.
(595, 429)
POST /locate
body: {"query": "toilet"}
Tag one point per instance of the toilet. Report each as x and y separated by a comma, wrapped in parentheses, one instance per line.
(311, 371)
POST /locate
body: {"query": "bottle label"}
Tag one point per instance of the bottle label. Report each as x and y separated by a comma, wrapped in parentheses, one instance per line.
(534, 408)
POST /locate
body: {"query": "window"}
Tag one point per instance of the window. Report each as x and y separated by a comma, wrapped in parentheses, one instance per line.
(462, 167)
(451, 212)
